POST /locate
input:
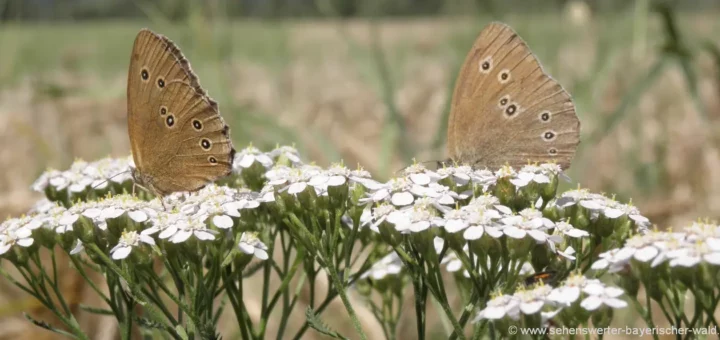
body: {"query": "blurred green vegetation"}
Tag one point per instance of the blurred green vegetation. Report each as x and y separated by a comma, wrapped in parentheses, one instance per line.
(180, 9)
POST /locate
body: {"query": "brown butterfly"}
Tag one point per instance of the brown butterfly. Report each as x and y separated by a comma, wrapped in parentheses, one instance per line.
(506, 109)
(179, 141)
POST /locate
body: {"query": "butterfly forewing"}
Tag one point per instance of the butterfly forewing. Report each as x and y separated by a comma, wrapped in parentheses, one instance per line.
(179, 140)
(506, 109)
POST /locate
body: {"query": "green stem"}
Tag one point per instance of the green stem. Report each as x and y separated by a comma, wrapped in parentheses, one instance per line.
(420, 299)
(83, 273)
(152, 311)
(340, 287)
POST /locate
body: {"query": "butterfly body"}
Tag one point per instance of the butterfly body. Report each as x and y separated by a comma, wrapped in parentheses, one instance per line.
(179, 140)
(506, 110)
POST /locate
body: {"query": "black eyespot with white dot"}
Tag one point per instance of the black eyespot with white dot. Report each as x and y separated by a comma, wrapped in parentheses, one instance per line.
(205, 144)
(144, 74)
(170, 121)
(486, 65)
(510, 110)
(503, 101)
(548, 135)
(161, 82)
(545, 116)
(552, 151)
(504, 76)
(212, 160)
(163, 110)
(197, 125)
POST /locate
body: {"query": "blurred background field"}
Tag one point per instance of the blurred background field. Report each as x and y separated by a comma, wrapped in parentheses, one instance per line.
(366, 82)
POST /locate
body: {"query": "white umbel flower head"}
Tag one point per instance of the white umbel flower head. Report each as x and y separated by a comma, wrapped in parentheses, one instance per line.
(178, 227)
(18, 231)
(599, 295)
(249, 156)
(250, 244)
(128, 240)
(389, 265)
(500, 307)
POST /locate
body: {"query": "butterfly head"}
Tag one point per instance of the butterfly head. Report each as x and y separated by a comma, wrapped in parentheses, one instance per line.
(144, 181)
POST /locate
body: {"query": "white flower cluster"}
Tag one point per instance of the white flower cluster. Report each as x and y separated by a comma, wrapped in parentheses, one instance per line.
(483, 215)
(389, 265)
(420, 182)
(245, 158)
(83, 175)
(18, 231)
(696, 244)
(100, 174)
(548, 301)
(190, 216)
(295, 180)
(600, 205)
(100, 211)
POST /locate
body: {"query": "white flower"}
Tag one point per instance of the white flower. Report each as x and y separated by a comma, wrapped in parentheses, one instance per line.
(17, 231)
(499, 307)
(566, 229)
(600, 205)
(287, 152)
(391, 264)
(419, 175)
(250, 244)
(380, 214)
(83, 175)
(219, 202)
(267, 194)
(485, 178)
(177, 228)
(455, 220)
(101, 211)
(460, 175)
(292, 180)
(336, 175)
(568, 253)
(128, 240)
(531, 173)
(653, 247)
(528, 222)
(614, 260)
(569, 291)
(599, 294)
(416, 219)
(248, 156)
(366, 220)
(693, 254)
(532, 301)
(451, 261)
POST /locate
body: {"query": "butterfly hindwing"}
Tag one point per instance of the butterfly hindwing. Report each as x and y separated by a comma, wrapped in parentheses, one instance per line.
(506, 109)
(179, 140)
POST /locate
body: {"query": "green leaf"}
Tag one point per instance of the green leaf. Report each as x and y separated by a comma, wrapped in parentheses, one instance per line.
(317, 324)
(49, 327)
(94, 310)
(148, 324)
(181, 332)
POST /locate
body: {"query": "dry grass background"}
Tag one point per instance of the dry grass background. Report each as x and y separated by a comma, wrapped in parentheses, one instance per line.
(316, 84)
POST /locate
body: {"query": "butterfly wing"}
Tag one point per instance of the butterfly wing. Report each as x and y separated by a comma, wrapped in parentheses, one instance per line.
(506, 109)
(179, 140)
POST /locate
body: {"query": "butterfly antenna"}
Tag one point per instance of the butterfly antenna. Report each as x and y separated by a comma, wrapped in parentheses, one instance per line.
(111, 177)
